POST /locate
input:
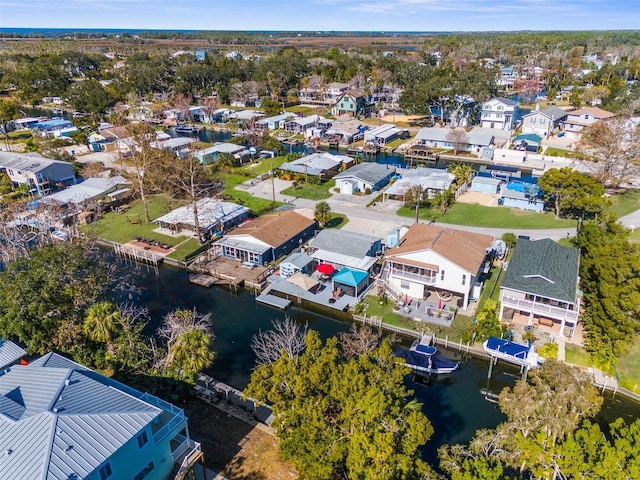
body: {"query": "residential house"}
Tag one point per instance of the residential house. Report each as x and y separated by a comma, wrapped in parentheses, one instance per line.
(181, 146)
(353, 102)
(343, 249)
(244, 117)
(61, 420)
(364, 177)
(54, 127)
(304, 125)
(298, 262)
(334, 91)
(541, 286)
(267, 238)
(430, 180)
(434, 137)
(116, 139)
(437, 259)
(10, 353)
(39, 174)
(522, 195)
(214, 217)
(499, 113)
(321, 164)
(578, 120)
(507, 77)
(543, 122)
(382, 135)
(212, 153)
(345, 131)
(275, 122)
(91, 192)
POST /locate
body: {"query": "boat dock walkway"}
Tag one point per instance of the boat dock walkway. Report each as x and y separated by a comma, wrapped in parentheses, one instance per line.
(230, 400)
(274, 301)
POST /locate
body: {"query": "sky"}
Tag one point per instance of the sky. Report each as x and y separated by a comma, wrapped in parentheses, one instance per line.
(324, 15)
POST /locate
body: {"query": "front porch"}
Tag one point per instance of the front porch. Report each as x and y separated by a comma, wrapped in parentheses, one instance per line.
(545, 329)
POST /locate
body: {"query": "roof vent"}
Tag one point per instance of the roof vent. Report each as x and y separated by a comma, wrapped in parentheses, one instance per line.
(8, 452)
(54, 409)
(67, 382)
(69, 448)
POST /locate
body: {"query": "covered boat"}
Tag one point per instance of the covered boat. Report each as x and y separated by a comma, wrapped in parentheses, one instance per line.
(511, 352)
(422, 357)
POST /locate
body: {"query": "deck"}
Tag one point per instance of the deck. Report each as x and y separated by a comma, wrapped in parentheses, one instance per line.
(274, 301)
(202, 279)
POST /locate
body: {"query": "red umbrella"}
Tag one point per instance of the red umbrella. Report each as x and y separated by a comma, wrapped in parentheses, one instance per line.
(439, 304)
(406, 298)
(325, 269)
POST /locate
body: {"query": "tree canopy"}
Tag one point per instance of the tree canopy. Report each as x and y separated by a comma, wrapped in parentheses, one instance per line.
(340, 418)
(572, 193)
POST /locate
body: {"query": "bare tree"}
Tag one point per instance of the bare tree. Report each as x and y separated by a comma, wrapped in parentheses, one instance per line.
(188, 178)
(615, 148)
(178, 322)
(458, 139)
(286, 337)
(358, 341)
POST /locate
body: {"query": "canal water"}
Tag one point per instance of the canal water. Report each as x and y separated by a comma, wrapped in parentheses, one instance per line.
(455, 405)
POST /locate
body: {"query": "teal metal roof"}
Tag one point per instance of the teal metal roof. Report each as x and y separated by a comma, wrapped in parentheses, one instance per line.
(544, 268)
(353, 278)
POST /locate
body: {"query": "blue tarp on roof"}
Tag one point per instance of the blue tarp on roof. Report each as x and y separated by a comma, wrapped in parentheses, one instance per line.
(349, 277)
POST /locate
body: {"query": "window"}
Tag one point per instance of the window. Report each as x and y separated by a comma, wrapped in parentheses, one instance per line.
(105, 471)
(144, 472)
(142, 439)
(404, 284)
(464, 279)
(441, 275)
(533, 121)
(542, 121)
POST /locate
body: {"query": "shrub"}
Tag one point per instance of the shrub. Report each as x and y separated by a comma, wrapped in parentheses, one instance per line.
(548, 350)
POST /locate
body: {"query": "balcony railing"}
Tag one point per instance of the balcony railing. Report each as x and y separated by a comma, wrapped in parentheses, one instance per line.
(541, 308)
(413, 276)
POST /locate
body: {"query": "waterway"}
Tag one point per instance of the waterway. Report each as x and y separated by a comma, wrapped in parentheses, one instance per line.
(455, 404)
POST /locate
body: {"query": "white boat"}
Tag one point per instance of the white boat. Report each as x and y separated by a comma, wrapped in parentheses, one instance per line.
(184, 128)
(422, 357)
(511, 352)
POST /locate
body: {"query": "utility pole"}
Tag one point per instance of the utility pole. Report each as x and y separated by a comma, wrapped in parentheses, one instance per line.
(417, 209)
(273, 186)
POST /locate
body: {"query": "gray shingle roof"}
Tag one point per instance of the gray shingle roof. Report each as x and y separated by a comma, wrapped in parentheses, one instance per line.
(343, 242)
(58, 418)
(544, 268)
(369, 172)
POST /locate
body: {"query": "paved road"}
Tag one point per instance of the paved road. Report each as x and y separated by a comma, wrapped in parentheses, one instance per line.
(381, 219)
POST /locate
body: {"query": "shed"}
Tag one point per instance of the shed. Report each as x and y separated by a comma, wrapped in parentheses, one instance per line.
(485, 185)
(294, 263)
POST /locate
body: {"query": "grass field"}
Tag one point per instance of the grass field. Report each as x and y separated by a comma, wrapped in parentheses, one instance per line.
(258, 206)
(577, 355)
(481, 216)
(122, 228)
(625, 203)
(310, 191)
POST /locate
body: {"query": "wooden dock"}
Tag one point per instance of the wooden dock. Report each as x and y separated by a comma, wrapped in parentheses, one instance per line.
(274, 301)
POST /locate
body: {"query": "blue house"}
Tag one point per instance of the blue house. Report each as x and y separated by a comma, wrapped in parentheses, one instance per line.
(61, 420)
(267, 238)
(523, 195)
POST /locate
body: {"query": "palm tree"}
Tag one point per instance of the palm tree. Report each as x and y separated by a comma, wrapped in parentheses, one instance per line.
(322, 213)
(462, 171)
(190, 353)
(101, 321)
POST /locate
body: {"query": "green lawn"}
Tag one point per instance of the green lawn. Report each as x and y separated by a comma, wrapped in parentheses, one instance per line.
(496, 217)
(629, 368)
(310, 191)
(258, 206)
(300, 109)
(119, 227)
(337, 220)
(261, 166)
(625, 203)
(185, 250)
(577, 355)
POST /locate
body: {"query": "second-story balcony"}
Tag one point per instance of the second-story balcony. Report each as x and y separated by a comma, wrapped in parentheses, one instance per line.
(539, 308)
(418, 276)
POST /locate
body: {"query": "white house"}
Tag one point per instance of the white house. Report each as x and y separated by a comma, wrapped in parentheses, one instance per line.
(363, 177)
(431, 181)
(306, 124)
(543, 122)
(61, 420)
(431, 258)
(275, 122)
(578, 120)
(500, 113)
(381, 135)
(435, 137)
